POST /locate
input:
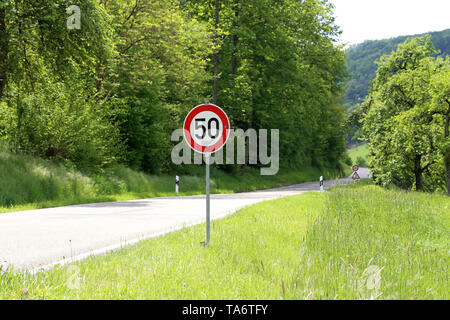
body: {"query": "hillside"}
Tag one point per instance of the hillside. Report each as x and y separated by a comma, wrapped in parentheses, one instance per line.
(361, 61)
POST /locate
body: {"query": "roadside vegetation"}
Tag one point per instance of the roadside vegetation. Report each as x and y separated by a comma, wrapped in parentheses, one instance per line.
(406, 118)
(112, 91)
(361, 57)
(354, 242)
(359, 155)
(101, 101)
(32, 183)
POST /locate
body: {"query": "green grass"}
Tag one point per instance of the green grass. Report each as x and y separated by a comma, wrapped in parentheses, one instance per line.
(355, 242)
(374, 243)
(252, 254)
(33, 183)
(359, 155)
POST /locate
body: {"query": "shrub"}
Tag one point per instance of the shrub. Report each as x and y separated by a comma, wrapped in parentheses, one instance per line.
(361, 162)
(60, 123)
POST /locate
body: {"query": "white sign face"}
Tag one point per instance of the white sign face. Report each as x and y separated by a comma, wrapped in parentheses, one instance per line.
(206, 129)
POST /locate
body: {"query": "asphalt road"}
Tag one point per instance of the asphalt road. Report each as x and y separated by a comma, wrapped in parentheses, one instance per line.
(36, 239)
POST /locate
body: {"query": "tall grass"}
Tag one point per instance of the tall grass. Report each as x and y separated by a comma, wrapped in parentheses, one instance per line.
(29, 183)
(360, 155)
(252, 255)
(371, 243)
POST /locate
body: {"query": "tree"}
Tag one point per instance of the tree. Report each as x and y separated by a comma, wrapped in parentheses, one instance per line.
(46, 74)
(280, 69)
(439, 108)
(400, 119)
(123, 82)
(34, 35)
(361, 61)
(156, 75)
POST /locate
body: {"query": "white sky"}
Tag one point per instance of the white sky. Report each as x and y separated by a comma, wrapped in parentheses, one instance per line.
(379, 19)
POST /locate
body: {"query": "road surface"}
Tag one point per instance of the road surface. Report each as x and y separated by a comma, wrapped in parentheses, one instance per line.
(39, 239)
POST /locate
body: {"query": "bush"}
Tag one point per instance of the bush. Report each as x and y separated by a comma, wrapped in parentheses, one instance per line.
(361, 162)
(60, 123)
(347, 160)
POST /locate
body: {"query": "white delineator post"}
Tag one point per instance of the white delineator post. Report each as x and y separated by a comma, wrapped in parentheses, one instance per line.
(321, 184)
(177, 184)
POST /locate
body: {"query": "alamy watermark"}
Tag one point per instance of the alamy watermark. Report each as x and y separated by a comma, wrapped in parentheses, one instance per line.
(74, 20)
(242, 147)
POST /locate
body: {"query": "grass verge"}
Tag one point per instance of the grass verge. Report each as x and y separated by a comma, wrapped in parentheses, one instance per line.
(354, 242)
(253, 253)
(373, 243)
(359, 155)
(33, 183)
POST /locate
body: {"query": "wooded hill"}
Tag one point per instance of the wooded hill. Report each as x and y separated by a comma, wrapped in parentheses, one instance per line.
(361, 62)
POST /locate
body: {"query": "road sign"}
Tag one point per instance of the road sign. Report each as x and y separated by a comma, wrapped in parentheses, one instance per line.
(321, 184)
(355, 175)
(206, 128)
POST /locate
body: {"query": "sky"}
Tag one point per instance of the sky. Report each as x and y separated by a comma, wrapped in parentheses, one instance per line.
(380, 19)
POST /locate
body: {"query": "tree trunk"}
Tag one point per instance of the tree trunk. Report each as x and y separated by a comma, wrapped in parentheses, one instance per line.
(250, 126)
(3, 51)
(234, 56)
(235, 39)
(99, 73)
(447, 153)
(447, 170)
(216, 52)
(418, 173)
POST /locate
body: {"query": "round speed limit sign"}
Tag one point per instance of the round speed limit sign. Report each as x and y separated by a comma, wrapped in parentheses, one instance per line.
(206, 128)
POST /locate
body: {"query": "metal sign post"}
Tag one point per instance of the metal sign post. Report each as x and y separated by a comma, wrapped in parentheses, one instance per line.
(355, 175)
(208, 217)
(206, 130)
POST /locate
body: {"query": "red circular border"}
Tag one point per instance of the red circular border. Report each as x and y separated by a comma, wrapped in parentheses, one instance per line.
(355, 166)
(187, 125)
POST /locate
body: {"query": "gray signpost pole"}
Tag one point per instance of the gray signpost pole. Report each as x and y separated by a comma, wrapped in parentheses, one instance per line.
(205, 117)
(207, 200)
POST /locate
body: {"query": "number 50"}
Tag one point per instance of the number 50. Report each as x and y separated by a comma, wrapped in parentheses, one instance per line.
(199, 125)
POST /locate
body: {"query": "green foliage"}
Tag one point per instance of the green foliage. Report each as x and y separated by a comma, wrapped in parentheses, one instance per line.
(361, 62)
(58, 123)
(359, 154)
(361, 161)
(278, 68)
(406, 121)
(158, 75)
(347, 160)
(113, 91)
(49, 107)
